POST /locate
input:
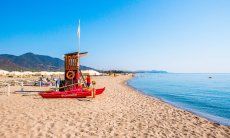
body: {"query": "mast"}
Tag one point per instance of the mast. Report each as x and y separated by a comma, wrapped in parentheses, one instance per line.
(78, 56)
(78, 35)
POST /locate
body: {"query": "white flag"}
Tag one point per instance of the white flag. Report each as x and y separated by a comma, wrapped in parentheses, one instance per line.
(78, 30)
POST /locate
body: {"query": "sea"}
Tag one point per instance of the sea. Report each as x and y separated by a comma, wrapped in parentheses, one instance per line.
(206, 95)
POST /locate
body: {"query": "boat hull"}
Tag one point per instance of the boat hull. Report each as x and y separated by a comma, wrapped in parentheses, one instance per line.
(75, 93)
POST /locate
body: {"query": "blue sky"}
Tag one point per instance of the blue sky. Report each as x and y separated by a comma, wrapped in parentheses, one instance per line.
(172, 35)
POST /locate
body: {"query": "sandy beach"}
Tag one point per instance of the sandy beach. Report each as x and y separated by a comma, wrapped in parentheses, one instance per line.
(119, 112)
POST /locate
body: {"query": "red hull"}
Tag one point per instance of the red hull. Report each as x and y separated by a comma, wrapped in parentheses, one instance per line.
(75, 93)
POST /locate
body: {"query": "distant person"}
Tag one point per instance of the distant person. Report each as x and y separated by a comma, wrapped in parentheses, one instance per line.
(55, 80)
(88, 80)
(58, 82)
(40, 81)
(47, 80)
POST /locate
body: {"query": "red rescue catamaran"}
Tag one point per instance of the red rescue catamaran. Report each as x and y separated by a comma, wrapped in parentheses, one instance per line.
(74, 93)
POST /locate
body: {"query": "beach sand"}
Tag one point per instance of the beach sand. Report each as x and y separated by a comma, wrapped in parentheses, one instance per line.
(119, 112)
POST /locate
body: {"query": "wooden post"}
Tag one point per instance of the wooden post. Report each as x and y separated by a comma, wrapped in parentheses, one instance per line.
(94, 95)
(22, 85)
(8, 89)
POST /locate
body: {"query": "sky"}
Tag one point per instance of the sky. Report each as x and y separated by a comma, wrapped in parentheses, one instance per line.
(183, 36)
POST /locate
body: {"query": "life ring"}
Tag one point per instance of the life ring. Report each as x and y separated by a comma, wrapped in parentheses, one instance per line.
(70, 75)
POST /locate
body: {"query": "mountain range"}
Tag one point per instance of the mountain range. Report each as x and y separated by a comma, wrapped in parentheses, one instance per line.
(32, 62)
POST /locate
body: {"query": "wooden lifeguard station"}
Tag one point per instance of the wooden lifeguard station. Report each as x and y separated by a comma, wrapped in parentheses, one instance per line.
(72, 87)
(73, 73)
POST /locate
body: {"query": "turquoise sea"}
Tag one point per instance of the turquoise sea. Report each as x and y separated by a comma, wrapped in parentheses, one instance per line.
(207, 95)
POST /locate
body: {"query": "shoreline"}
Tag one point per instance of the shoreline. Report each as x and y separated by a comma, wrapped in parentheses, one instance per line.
(199, 116)
(197, 113)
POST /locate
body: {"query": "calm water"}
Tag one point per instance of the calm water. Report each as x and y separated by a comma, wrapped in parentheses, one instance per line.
(207, 97)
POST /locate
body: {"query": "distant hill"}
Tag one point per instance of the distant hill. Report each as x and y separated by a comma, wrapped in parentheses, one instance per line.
(32, 62)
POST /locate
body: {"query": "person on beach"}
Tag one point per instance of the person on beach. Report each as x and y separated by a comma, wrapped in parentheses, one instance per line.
(58, 81)
(88, 80)
(40, 81)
